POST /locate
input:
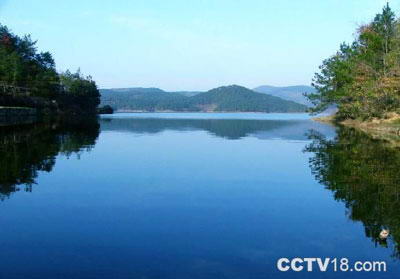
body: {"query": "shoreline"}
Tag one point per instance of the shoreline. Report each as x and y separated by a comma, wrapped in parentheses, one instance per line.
(383, 129)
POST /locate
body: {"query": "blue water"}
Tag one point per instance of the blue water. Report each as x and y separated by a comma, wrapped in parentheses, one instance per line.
(183, 196)
(202, 115)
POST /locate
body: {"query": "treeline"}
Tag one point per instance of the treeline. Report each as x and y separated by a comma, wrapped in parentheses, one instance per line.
(226, 98)
(363, 78)
(23, 66)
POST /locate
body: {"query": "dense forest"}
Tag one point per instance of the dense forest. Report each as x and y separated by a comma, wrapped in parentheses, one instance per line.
(28, 78)
(226, 98)
(363, 78)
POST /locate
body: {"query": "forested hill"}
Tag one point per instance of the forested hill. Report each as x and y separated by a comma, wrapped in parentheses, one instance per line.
(238, 98)
(232, 98)
(144, 99)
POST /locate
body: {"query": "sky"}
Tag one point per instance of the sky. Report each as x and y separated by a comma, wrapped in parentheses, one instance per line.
(191, 45)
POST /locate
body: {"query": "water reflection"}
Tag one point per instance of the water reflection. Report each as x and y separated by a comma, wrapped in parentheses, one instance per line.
(29, 149)
(363, 173)
(225, 128)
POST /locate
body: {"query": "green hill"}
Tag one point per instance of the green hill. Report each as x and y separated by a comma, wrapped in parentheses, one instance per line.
(238, 98)
(144, 99)
(232, 98)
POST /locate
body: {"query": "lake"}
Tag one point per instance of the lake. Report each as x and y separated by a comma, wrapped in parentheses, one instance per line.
(194, 195)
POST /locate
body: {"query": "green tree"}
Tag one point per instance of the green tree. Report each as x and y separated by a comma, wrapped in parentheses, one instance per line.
(22, 65)
(79, 93)
(363, 78)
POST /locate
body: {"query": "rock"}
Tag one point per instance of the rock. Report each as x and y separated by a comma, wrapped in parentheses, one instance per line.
(384, 234)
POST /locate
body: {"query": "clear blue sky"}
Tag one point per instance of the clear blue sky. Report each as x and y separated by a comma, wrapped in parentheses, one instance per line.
(190, 45)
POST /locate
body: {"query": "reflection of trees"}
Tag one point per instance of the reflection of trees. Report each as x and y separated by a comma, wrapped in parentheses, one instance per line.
(364, 174)
(27, 150)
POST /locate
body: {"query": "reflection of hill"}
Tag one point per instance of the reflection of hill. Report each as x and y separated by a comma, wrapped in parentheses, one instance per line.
(225, 128)
(364, 174)
(298, 131)
(27, 150)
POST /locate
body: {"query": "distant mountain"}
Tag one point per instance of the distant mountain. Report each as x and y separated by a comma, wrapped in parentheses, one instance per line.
(144, 99)
(290, 93)
(232, 98)
(135, 90)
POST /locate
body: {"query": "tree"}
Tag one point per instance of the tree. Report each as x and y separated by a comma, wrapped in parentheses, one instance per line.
(22, 65)
(79, 93)
(363, 78)
(105, 110)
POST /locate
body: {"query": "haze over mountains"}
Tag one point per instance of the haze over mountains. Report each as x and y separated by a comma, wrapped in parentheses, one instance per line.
(290, 93)
(232, 98)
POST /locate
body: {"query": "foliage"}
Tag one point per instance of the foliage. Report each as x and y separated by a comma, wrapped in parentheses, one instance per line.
(78, 93)
(363, 78)
(21, 65)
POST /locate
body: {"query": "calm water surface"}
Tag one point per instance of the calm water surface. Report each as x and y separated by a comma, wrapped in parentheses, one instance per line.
(193, 196)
